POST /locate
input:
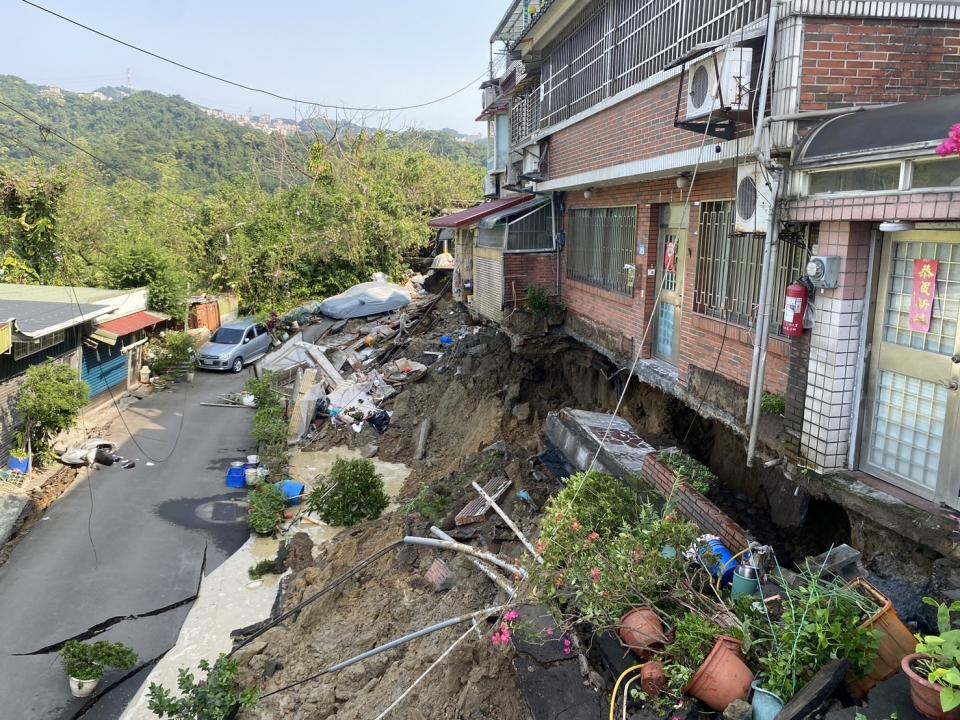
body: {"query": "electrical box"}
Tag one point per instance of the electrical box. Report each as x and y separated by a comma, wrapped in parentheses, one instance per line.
(824, 271)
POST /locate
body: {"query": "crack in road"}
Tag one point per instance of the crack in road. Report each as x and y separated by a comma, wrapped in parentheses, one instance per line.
(105, 625)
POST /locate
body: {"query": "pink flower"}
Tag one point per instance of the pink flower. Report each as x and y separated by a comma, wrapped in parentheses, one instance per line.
(949, 147)
(549, 632)
(593, 537)
(511, 616)
(567, 646)
(575, 526)
(496, 638)
(955, 133)
(595, 574)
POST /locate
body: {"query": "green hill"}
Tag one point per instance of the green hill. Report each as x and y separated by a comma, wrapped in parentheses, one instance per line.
(136, 132)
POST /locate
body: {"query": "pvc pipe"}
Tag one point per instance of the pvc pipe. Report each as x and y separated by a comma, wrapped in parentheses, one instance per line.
(414, 635)
(508, 521)
(466, 549)
(483, 567)
(773, 238)
(767, 72)
(761, 303)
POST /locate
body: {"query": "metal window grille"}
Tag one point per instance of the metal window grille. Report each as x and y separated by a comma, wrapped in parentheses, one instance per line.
(600, 242)
(524, 117)
(623, 42)
(727, 284)
(532, 231)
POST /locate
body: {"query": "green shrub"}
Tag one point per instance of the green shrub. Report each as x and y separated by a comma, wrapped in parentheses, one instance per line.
(218, 697)
(773, 404)
(174, 353)
(263, 391)
(539, 301)
(270, 426)
(266, 504)
(351, 493)
(88, 661)
(598, 502)
(264, 567)
(51, 398)
(693, 471)
(428, 503)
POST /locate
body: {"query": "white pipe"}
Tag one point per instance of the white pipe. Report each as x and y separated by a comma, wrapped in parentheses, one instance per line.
(764, 159)
(483, 567)
(466, 549)
(773, 239)
(510, 524)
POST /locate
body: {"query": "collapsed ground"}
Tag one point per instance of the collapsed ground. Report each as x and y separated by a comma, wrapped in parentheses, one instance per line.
(479, 394)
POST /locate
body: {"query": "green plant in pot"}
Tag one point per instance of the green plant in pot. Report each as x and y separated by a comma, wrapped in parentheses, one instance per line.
(934, 670)
(85, 663)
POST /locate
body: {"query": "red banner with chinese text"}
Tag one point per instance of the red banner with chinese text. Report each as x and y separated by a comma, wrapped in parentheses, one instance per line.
(924, 291)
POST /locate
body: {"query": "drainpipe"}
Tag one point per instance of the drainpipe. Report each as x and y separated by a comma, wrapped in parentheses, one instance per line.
(763, 157)
(556, 246)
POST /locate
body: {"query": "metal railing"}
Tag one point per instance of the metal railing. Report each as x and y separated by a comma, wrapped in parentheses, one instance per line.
(727, 283)
(521, 16)
(524, 117)
(600, 242)
(531, 232)
(623, 42)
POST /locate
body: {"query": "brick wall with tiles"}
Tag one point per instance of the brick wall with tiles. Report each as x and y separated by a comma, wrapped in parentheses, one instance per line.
(693, 505)
(523, 270)
(835, 347)
(850, 60)
(700, 336)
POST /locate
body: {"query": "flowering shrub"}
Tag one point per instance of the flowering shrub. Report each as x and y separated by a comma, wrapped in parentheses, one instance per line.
(951, 146)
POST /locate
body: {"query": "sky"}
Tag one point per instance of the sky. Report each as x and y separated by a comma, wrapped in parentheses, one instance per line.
(380, 53)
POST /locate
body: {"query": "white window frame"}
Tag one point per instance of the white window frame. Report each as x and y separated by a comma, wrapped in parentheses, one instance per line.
(905, 184)
(25, 348)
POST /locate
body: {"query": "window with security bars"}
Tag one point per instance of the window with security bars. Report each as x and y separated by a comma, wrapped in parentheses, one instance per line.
(601, 247)
(729, 265)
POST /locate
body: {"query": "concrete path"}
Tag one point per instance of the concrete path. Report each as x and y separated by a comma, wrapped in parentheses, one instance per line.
(154, 531)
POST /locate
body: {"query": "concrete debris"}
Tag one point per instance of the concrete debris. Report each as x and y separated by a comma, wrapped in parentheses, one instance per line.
(738, 710)
(521, 411)
(439, 576)
(299, 555)
(476, 510)
(423, 433)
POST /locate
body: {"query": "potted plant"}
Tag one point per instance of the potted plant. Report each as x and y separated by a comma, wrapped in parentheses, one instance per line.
(85, 663)
(934, 669)
(19, 461)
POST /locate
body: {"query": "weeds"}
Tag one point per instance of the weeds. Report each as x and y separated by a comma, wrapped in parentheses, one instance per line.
(693, 471)
(773, 404)
(428, 503)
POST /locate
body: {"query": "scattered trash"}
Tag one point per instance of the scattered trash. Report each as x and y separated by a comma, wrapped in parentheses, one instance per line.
(446, 341)
(96, 450)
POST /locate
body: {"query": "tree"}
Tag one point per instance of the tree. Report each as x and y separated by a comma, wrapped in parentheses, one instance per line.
(51, 398)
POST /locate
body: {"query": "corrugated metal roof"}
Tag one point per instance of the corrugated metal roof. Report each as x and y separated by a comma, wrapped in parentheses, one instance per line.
(490, 220)
(35, 318)
(471, 216)
(58, 293)
(111, 330)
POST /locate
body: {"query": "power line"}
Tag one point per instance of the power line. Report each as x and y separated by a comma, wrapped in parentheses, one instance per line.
(251, 88)
(47, 130)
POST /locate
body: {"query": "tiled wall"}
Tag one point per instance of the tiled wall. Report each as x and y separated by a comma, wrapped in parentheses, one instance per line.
(834, 348)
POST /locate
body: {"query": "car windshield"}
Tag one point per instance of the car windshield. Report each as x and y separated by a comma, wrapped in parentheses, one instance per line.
(228, 336)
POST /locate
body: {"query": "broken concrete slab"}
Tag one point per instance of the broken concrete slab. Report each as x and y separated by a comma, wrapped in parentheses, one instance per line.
(816, 692)
(788, 501)
(11, 508)
(578, 434)
(891, 698)
(545, 641)
(556, 691)
(438, 575)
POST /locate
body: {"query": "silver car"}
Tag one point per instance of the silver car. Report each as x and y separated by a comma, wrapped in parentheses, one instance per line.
(234, 345)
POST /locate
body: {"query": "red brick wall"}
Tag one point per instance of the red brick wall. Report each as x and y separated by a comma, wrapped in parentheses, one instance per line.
(700, 336)
(854, 60)
(638, 128)
(693, 505)
(521, 270)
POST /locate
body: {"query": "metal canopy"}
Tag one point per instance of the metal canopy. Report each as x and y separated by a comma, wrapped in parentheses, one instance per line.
(490, 221)
(874, 132)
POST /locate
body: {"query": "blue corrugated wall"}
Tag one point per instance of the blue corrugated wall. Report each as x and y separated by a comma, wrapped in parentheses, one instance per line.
(104, 367)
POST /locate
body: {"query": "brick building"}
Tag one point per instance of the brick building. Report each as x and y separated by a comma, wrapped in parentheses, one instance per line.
(698, 155)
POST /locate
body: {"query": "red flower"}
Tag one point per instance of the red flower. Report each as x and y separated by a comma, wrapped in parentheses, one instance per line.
(593, 537)
(595, 574)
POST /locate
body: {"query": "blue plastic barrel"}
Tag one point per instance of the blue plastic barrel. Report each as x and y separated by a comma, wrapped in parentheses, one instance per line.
(236, 477)
(725, 563)
(292, 491)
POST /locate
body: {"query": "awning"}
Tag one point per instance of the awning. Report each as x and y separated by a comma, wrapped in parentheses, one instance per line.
(911, 125)
(532, 204)
(471, 216)
(112, 330)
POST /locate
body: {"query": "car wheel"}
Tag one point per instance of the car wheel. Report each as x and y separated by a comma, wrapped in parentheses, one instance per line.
(237, 365)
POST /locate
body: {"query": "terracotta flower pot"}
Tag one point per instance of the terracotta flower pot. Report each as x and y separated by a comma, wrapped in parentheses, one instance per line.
(641, 631)
(723, 677)
(653, 680)
(925, 694)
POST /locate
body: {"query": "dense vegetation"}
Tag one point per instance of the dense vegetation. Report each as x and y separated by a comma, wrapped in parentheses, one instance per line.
(201, 211)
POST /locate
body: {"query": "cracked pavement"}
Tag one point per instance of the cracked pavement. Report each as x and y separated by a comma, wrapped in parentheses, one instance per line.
(154, 539)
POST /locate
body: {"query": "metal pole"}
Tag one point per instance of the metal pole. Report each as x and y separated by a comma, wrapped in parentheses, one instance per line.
(466, 549)
(510, 524)
(484, 568)
(773, 239)
(767, 70)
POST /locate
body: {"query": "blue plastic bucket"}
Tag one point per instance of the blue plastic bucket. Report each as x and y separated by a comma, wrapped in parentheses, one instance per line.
(724, 564)
(236, 477)
(765, 704)
(292, 491)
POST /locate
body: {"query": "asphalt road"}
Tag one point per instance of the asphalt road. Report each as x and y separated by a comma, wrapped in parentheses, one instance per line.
(155, 528)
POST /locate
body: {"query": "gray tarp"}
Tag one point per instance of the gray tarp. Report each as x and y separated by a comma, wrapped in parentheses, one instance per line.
(369, 298)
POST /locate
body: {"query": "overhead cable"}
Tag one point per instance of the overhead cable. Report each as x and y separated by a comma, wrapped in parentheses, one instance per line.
(251, 88)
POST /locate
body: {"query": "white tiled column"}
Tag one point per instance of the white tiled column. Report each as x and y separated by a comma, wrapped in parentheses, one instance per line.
(834, 348)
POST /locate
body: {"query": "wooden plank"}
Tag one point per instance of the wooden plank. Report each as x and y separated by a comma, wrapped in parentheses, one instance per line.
(476, 510)
(305, 383)
(330, 374)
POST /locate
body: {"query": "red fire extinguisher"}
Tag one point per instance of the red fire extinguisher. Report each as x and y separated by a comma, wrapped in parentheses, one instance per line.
(794, 309)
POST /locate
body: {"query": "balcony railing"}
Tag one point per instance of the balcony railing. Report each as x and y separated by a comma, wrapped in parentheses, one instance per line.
(625, 41)
(521, 16)
(524, 117)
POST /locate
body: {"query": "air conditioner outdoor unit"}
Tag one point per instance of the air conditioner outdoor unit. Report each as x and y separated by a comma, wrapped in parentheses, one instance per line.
(710, 91)
(491, 188)
(531, 160)
(490, 93)
(753, 200)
